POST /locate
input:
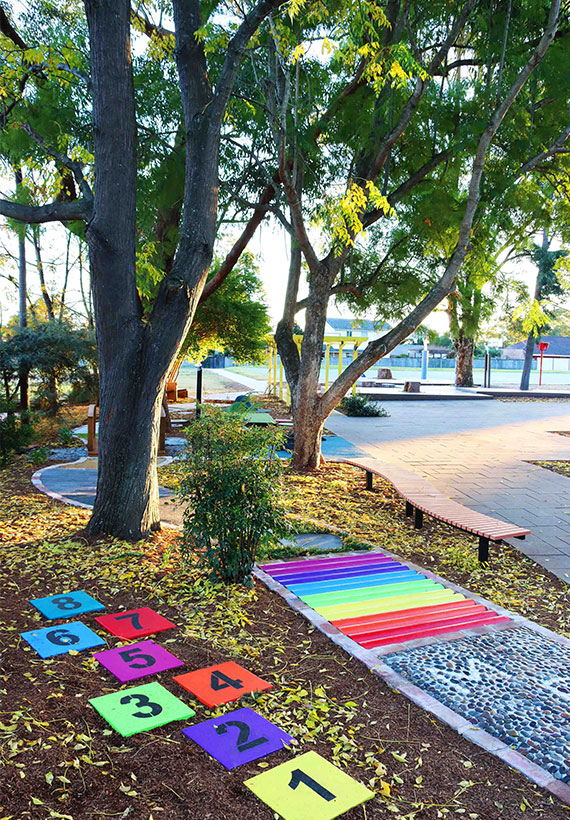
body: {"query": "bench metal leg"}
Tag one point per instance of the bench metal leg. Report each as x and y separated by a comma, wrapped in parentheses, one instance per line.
(409, 508)
(483, 550)
(369, 478)
(418, 519)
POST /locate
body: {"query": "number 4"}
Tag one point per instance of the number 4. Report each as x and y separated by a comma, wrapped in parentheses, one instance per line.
(297, 776)
(219, 680)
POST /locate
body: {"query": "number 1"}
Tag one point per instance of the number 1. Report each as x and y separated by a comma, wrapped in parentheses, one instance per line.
(297, 776)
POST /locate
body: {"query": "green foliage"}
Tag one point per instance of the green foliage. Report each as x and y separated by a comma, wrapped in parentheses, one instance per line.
(39, 455)
(234, 320)
(15, 432)
(360, 406)
(52, 352)
(65, 436)
(231, 479)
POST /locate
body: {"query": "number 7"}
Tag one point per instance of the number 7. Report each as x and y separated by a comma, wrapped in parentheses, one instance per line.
(133, 617)
(297, 776)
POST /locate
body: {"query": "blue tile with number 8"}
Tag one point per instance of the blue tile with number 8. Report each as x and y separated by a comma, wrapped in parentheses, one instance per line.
(58, 640)
(66, 605)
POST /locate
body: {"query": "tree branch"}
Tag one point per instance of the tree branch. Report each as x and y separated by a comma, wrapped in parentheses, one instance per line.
(239, 246)
(378, 348)
(8, 30)
(413, 102)
(236, 49)
(80, 209)
(75, 167)
(557, 147)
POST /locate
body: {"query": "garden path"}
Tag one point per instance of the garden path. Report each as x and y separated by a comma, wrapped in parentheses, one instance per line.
(479, 454)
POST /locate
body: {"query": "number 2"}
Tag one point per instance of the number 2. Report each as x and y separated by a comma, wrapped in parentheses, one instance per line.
(65, 602)
(133, 617)
(141, 702)
(219, 680)
(297, 776)
(243, 745)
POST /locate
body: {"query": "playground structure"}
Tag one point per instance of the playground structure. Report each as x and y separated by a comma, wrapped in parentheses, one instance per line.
(276, 380)
(172, 392)
(92, 443)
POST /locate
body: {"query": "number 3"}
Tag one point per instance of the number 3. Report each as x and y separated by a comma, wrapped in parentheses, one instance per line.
(142, 701)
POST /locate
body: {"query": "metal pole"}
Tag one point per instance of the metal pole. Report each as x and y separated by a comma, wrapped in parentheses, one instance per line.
(540, 374)
(23, 307)
(199, 391)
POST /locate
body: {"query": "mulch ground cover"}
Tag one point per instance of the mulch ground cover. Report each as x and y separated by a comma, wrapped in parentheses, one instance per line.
(61, 760)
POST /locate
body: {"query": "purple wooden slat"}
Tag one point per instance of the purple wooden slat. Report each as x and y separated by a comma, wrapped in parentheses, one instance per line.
(323, 562)
(308, 577)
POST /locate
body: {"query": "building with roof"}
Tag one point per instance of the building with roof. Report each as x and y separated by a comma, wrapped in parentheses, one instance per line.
(557, 357)
(361, 328)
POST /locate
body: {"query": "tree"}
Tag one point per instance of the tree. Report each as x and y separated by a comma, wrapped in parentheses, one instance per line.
(136, 350)
(547, 284)
(385, 166)
(233, 319)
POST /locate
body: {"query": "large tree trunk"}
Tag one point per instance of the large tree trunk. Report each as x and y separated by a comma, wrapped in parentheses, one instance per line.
(464, 347)
(127, 485)
(528, 354)
(308, 431)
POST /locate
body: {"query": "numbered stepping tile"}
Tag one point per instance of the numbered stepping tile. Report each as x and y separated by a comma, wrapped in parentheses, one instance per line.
(137, 660)
(222, 683)
(141, 708)
(308, 787)
(136, 623)
(58, 640)
(238, 737)
(66, 604)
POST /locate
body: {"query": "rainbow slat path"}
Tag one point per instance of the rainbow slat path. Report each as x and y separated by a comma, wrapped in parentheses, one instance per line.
(376, 600)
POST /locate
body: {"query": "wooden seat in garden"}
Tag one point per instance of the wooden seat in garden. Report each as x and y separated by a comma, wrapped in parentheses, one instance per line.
(422, 497)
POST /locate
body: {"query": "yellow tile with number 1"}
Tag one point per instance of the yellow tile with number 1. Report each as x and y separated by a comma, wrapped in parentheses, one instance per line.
(308, 787)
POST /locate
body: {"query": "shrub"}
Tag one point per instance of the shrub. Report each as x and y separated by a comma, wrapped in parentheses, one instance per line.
(65, 436)
(15, 433)
(230, 480)
(359, 406)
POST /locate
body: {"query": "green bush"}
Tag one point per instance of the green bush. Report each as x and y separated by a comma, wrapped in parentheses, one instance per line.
(230, 480)
(65, 436)
(359, 406)
(15, 433)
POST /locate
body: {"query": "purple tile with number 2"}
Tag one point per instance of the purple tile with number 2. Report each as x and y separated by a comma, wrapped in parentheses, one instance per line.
(238, 737)
(137, 660)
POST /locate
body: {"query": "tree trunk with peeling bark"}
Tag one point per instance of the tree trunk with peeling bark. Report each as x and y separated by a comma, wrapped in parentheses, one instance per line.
(464, 348)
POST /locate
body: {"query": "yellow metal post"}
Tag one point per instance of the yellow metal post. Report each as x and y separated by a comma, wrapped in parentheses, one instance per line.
(275, 373)
(353, 358)
(280, 379)
(340, 347)
(270, 363)
(327, 362)
(288, 394)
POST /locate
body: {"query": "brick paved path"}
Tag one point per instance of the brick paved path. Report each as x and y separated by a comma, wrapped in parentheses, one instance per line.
(478, 453)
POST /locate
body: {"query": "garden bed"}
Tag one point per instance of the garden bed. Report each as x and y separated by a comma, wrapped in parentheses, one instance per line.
(61, 760)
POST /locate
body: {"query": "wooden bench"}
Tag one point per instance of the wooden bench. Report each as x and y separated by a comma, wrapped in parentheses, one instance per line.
(422, 497)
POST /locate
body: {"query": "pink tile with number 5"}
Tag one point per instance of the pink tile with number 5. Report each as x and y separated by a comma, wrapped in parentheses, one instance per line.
(137, 660)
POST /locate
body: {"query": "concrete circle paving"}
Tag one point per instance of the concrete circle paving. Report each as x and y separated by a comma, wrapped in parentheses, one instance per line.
(314, 540)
